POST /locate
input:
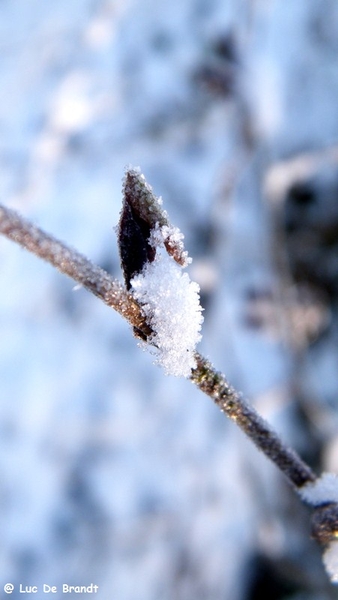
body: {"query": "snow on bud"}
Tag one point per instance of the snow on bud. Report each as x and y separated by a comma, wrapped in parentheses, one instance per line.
(152, 256)
(171, 304)
(323, 495)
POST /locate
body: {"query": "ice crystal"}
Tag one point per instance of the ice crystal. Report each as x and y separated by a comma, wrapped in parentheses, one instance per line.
(170, 301)
(172, 238)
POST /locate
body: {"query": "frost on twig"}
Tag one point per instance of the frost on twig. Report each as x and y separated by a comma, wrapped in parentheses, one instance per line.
(72, 263)
(231, 402)
(152, 256)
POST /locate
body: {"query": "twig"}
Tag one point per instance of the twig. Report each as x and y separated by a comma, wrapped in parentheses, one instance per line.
(72, 263)
(204, 376)
(99, 282)
(230, 401)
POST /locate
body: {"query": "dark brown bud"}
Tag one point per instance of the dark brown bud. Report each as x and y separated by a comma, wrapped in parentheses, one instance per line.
(134, 247)
(325, 523)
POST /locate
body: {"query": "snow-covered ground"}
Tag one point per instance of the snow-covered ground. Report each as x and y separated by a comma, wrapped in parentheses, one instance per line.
(111, 472)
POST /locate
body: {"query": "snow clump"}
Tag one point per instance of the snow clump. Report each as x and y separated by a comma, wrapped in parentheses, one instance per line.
(170, 301)
(324, 490)
(321, 491)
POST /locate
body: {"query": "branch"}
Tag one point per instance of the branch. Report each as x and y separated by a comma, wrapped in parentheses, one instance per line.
(230, 402)
(312, 490)
(112, 292)
(72, 263)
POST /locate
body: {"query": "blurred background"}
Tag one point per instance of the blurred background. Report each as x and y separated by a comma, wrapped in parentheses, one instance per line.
(111, 472)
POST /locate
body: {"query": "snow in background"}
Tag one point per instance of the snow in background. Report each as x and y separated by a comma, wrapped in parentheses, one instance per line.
(111, 472)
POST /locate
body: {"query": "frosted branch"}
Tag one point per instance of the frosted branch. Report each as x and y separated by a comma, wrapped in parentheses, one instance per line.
(111, 292)
(139, 226)
(215, 385)
(72, 263)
